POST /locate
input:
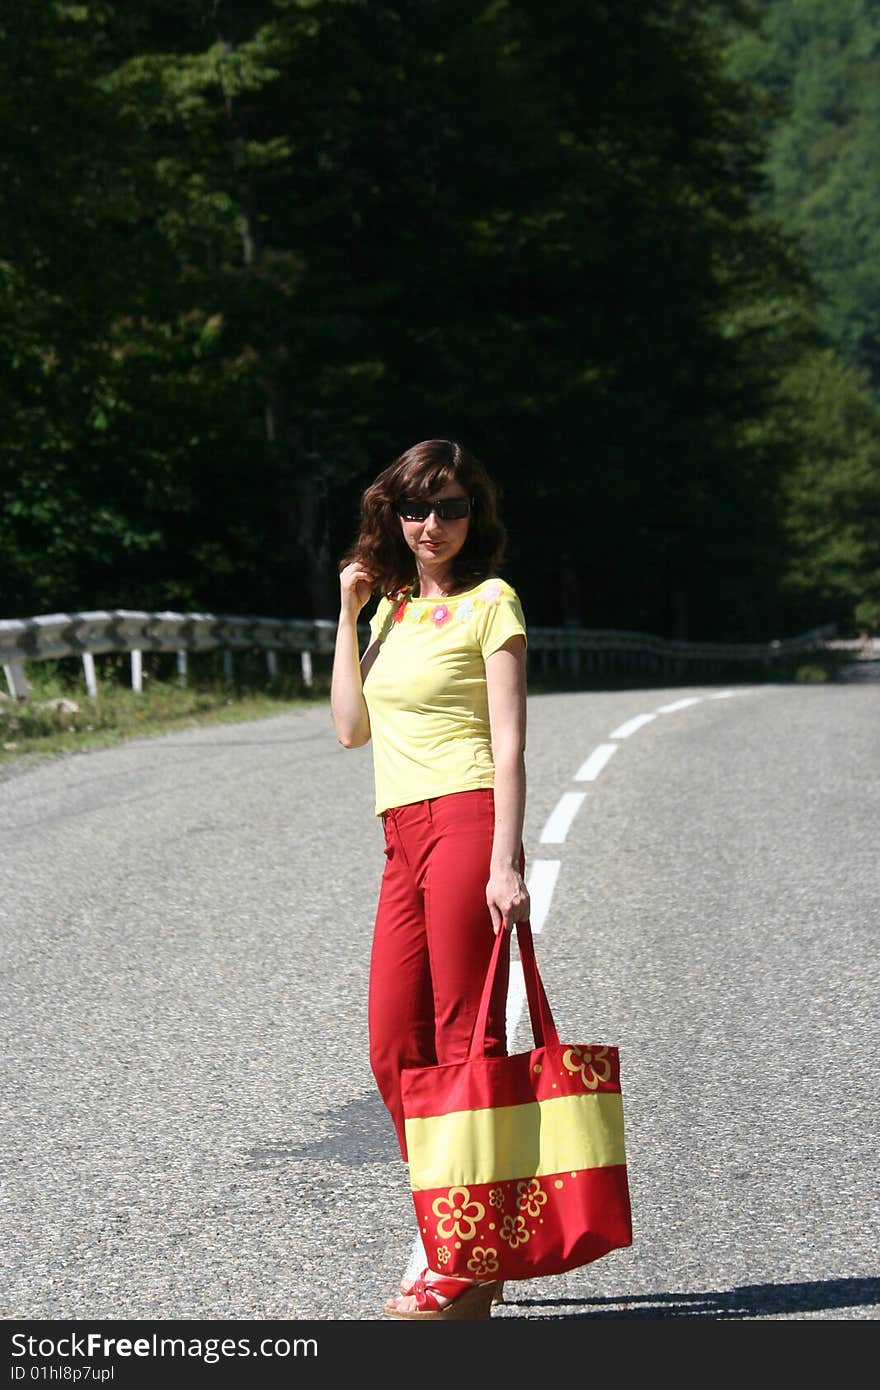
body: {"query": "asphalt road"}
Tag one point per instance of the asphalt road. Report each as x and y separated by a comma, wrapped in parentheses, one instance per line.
(190, 1126)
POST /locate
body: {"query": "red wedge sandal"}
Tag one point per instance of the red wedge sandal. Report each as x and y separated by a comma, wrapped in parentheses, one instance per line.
(497, 1297)
(463, 1299)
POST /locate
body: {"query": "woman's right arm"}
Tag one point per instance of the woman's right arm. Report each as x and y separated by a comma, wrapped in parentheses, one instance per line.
(351, 718)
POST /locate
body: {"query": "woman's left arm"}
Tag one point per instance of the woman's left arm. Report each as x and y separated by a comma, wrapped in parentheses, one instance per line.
(506, 893)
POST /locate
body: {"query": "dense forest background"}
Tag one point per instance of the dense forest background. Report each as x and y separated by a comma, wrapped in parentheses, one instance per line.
(626, 250)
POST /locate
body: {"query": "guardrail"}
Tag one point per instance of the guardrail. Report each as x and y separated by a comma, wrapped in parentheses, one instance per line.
(53, 636)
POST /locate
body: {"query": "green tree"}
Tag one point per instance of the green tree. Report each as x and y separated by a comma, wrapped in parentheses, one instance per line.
(313, 231)
(816, 64)
(671, 303)
(79, 510)
(832, 491)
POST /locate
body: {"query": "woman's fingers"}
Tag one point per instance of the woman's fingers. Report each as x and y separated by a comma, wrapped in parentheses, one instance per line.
(356, 583)
(506, 913)
(353, 575)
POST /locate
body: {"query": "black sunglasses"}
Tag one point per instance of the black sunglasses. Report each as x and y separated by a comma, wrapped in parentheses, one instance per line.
(446, 508)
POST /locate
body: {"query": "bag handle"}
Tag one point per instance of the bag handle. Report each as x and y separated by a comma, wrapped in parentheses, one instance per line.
(543, 1026)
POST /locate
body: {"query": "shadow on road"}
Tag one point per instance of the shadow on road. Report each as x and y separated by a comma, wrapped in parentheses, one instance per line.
(360, 1133)
(747, 1301)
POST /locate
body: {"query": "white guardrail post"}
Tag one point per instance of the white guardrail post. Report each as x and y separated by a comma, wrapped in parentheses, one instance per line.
(16, 681)
(51, 636)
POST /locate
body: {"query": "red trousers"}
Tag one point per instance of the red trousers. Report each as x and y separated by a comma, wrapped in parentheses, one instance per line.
(432, 941)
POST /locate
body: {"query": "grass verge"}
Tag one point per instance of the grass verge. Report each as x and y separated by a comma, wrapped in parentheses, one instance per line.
(60, 717)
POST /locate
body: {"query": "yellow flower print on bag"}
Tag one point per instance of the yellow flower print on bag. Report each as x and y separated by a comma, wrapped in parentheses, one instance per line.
(457, 1214)
(514, 1231)
(592, 1063)
(530, 1197)
(483, 1262)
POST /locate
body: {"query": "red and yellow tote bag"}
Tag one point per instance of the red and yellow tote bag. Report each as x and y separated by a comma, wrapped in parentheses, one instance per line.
(517, 1164)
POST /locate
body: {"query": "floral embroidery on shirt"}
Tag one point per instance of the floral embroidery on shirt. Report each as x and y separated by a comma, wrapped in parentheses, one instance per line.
(456, 609)
(441, 614)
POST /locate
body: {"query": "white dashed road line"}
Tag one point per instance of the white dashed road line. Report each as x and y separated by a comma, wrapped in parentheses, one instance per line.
(516, 1000)
(543, 874)
(541, 881)
(559, 821)
(590, 770)
(624, 730)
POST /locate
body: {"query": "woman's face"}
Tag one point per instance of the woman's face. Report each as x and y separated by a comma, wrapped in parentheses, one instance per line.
(433, 540)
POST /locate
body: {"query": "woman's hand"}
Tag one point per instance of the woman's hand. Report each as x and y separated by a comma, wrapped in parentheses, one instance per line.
(507, 898)
(351, 717)
(356, 586)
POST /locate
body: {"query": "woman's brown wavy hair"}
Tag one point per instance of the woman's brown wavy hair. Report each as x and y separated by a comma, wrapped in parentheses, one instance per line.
(421, 472)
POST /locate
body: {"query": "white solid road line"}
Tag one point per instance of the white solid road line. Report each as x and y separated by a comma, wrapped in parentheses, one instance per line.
(624, 730)
(590, 770)
(559, 821)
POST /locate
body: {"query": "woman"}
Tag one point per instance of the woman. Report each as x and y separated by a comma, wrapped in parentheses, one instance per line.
(441, 692)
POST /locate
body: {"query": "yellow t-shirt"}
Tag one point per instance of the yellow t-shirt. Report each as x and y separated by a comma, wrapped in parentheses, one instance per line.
(426, 691)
